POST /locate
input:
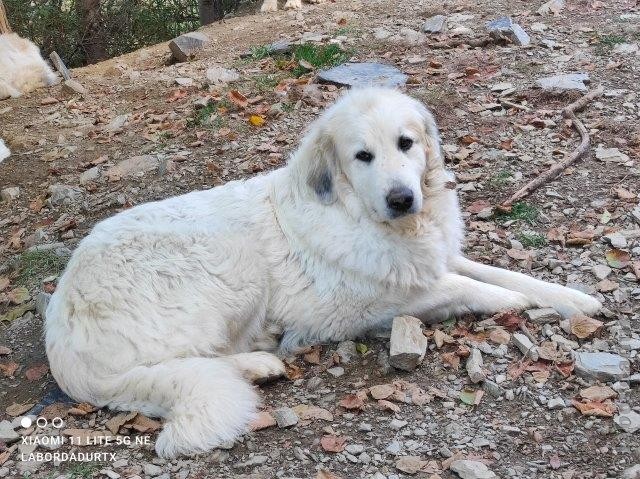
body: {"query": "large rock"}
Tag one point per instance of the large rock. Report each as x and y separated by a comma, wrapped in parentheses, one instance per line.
(136, 165)
(504, 28)
(569, 81)
(632, 472)
(7, 434)
(474, 366)
(472, 470)
(185, 47)
(10, 194)
(542, 316)
(285, 417)
(601, 366)
(408, 344)
(60, 194)
(628, 421)
(363, 75)
(435, 24)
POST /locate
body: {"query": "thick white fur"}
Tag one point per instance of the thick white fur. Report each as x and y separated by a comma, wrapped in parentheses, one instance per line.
(272, 5)
(4, 151)
(22, 69)
(161, 305)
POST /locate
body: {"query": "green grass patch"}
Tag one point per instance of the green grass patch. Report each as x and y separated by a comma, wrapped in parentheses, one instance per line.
(521, 211)
(606, 43)
(266, 83)
(500, 179)
(37, 265)
(82, 470)
(532, 240)
(318, 56)
(208, 116)
(260, 52)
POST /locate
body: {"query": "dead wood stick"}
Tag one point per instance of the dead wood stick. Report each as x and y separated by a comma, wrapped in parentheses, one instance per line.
(4, 22)
(585, 140)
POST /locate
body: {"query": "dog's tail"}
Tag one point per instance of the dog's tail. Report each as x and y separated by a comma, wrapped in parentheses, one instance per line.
(205, 401)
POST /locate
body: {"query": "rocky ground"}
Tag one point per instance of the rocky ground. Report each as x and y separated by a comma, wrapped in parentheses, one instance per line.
(517, 395)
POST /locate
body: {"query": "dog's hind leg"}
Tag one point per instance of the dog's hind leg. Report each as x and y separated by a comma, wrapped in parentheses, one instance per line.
(566, 301)
(454, 295)
(258, 366)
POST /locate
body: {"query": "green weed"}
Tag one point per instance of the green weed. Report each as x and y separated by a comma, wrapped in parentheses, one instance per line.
(532, 240)
(521, 211)
(37, 265)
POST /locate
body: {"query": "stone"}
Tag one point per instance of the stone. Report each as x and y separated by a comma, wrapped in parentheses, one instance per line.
(252, 462)
(525, 345)
(408, 36)
(471, 470)
(10, 194)
(184, 81)
(285, 417)
(116, 123)
(4, 151)
(474, 366)
(629, 344)
(611, 154)
(92, 174)
(504, 28)
(60, 194)
(542, 316)
(625, 48)
(72, 86)
(616, 240)
(336, 372)
(569, 81)
(601, 271)
(363, 75)
(7, 434)
(492, 388)
(397, 424)
(551, 7)
(408, 343)
(628, 421)
(355, 449)
(410, 464)
(602, 366)
(152, 470)
(136, 165)
(186, 46)
(556, 403)
(435, 24)
(42, 301)
(220, 76)
(632, 472)
(347, 351)
(110, 474)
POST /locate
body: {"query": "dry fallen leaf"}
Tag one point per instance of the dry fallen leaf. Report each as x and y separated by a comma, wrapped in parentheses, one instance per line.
(144, 424)
(238, 99)
(313, 356)
(382, 391)
(256, 120)
(441, 338)
(115, 423)
(323, 474)
(583, 326)
(333, 443)
(499, 336)
(4, 283)
(509, 320)
(388, 405)
(17, 409)
(36, 372)
(595, 408)
(451, 359)
(617, 258)
(307, 412)
(262, 421)
(9, 369)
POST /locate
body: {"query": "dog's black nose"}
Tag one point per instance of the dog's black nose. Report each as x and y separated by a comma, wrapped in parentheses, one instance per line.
(400, 199)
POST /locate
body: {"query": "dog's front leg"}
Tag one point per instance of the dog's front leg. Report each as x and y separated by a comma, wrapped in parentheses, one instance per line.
(566, 301)
(454, 294)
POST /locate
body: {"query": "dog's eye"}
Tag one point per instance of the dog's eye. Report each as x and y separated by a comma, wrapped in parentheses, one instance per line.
(364, 156)
(405, 143)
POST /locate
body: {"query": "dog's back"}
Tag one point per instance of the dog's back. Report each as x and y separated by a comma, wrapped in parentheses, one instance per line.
(22, 69)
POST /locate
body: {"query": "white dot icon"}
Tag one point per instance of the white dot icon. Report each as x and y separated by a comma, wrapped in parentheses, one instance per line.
(25, 422)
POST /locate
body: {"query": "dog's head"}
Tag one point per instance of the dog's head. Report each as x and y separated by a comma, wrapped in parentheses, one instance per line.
(374, 147)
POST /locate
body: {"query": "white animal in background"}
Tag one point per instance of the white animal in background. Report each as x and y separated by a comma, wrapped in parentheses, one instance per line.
(272, 5)
(22, 69)
(4, 151)
(169, 307)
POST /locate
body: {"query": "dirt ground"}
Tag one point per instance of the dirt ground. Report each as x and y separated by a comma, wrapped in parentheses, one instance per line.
(529, 419)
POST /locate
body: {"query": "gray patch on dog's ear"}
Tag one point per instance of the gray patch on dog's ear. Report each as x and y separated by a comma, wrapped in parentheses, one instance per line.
(324, 186)
(321, 173)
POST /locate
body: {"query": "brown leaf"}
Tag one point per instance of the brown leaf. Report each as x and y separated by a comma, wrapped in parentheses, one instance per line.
(583, 326)
(115, 423)
(36, 204)
(352, 401)
(556, 235)
(508, 320)
(478, 206)
(451, 359)
(598, 393)
(617, 258)
(565, 369)
(313, 356)
(4, 283)
(18, 409)
(9, 369)
(36, 372)
(388, 406)
(293, 372)
(382, 391)
(4, 351)
(324, 474)
(144, 424)
(238, 99)
(499, 336)
(624, 194)
(595, 408)
(57, 409)
(506, 144)
(263, 421)
(333, 443)
(441, 338)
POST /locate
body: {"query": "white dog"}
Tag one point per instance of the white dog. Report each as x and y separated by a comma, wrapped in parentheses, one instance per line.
(272, 5)
(22, 69)
(162, 307)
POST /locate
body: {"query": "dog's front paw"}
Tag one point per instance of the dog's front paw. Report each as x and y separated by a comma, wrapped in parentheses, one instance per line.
(293, 5)
(264, 367)
(569, 302)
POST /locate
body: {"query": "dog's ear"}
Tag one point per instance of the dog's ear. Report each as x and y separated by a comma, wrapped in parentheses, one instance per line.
(317, 164)
(431, 139)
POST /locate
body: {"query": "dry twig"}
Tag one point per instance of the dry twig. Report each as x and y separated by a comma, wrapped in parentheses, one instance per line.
(585, 140)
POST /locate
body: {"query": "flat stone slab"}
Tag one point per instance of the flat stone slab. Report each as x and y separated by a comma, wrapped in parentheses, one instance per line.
(186, 46)
(435, 24)
(408, 344)
(363, 75)
(569, 81)
(602, 366)
(504, 28)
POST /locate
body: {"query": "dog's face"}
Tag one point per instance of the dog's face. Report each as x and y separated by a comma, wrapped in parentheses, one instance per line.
(374, 145)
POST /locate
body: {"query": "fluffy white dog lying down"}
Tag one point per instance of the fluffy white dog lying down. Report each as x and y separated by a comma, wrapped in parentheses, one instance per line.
(22, 69)
(272, 5)
(162, 307)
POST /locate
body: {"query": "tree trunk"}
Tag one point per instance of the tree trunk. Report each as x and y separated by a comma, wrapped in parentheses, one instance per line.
(4, 23)
(93, 40)
(210, 11)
